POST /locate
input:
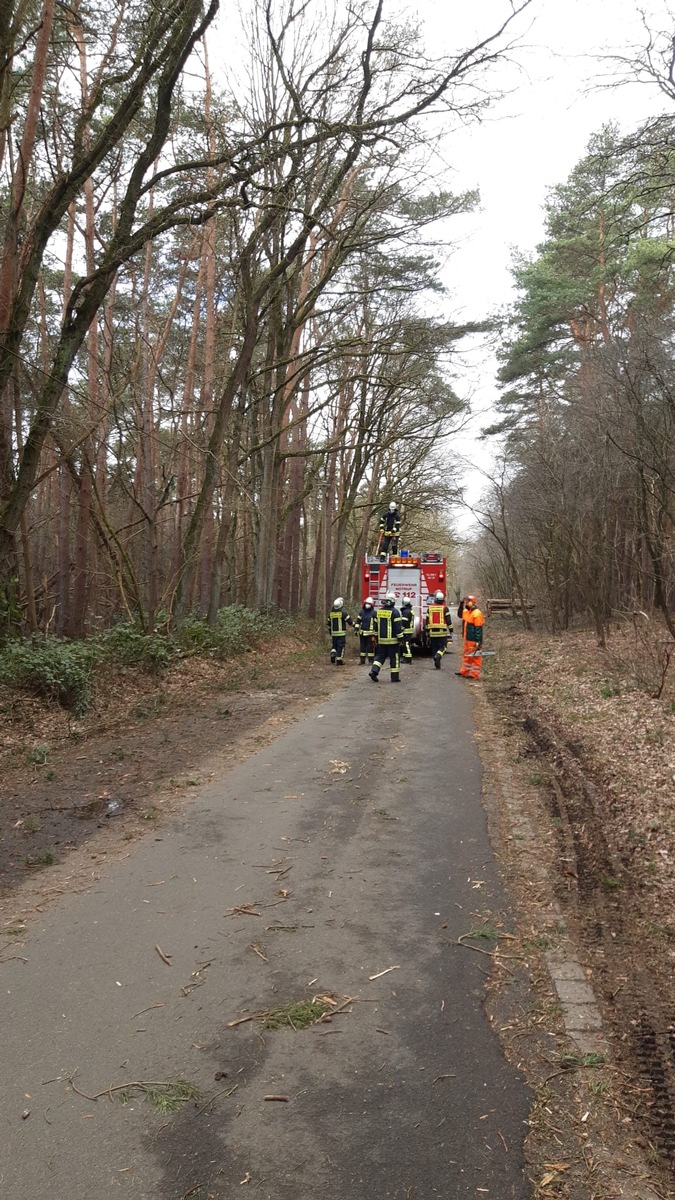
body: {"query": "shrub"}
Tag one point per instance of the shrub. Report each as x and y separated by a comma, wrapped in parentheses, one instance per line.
(236, 628)
(126, 644)
(54, 668)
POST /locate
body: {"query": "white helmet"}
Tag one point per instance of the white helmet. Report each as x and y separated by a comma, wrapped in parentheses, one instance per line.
(338, 603)
(407, 604)
(392, 507)
(391, 597)
(368, 602)
(439, 597)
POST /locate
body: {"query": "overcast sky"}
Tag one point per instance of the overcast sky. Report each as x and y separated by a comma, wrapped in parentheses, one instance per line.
(529, 142)
(535, 135)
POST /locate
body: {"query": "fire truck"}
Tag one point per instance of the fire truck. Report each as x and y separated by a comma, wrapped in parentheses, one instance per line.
(410, 575)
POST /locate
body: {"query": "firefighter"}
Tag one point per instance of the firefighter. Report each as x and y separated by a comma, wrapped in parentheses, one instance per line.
(438, 627)
(366, 628)
(472, 658)
(408, 625)
(337, 623)
(389, 635)
(390, 529)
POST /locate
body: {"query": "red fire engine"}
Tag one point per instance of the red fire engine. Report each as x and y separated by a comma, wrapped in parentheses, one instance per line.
(410, 575)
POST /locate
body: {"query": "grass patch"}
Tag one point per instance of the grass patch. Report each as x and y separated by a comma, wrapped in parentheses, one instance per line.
(608, 690)
(598, 1087)
(37, 755)
(40, 860)
(663, 931)
(542, 941)
(655, 736)
(298, 1015)
(488, 932)
(611, 883)
(166, 1098)
(569, 1061)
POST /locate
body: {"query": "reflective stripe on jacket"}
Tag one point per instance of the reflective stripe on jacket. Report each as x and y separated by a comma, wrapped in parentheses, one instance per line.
(437, 619)
(408, 620)
(338, 621)
(388, 626)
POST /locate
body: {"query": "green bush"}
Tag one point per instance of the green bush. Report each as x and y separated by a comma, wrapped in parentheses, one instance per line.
(54, 668)
(126, 644)
(236, 628)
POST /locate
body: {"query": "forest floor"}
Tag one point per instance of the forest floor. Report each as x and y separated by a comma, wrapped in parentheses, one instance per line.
(580, 754)
(577, 750)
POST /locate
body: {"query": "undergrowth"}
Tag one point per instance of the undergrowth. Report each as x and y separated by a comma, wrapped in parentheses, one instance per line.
(65, 672)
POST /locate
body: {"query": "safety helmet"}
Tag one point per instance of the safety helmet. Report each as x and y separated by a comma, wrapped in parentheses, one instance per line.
(470, 600)
(439, 596)
(368, 602)
(390, 597)
(392, 507)
(338, 603)
(407, 604)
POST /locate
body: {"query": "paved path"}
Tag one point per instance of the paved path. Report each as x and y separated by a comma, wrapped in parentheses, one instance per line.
(359, 840)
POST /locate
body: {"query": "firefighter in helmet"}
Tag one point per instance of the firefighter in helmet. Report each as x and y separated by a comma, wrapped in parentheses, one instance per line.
(408, 625)
(390, 529)
(439, 627)
(337, 623)
(365, 626)
(389, 635)
(472, 657)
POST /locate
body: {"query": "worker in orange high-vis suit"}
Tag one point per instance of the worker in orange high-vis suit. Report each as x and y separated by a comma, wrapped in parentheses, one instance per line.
(472, 658)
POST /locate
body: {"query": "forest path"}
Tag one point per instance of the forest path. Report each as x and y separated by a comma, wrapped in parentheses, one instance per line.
(344, 860)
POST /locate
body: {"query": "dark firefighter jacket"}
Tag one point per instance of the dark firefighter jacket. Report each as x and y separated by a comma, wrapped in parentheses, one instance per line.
(390, 523)
(338, 620)
(408, 620)
(389, 626)
(365, 622)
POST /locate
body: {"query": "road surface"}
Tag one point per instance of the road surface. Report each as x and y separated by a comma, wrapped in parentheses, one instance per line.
(344, 860)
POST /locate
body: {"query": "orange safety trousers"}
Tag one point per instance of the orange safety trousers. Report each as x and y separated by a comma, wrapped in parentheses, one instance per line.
(472, 660)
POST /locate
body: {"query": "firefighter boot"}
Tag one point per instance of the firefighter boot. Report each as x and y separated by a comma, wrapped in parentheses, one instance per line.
(374, 672)
(437, 661)
(333, 656)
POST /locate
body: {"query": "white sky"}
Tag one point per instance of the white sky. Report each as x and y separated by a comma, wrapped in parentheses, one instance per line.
(533, 137)
(528, 143)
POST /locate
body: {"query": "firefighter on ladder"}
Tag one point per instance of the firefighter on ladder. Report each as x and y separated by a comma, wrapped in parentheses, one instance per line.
(472, 658)
(337, 623)
(438, 627)
(366, 627)
(389, 635)
(408, 625)
(390, 529)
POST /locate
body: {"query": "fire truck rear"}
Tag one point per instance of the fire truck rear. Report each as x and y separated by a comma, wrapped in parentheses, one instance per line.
(410, 575)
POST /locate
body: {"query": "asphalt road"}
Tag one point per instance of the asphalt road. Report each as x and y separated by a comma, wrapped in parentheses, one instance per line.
(344, 859)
